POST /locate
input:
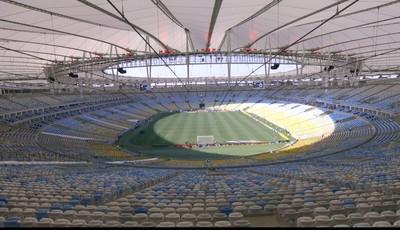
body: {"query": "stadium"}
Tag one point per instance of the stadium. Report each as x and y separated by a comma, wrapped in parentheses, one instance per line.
(212, 113)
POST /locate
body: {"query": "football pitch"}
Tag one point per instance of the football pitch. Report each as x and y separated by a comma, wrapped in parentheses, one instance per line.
(235, 134)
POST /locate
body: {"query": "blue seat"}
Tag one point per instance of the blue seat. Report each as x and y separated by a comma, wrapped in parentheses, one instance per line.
(349, 201)
(56, 206)
(86, 200)
(12, 222)
(3, 204)
(140, 210)
(231, 200)
(227, 210)
(3, 199)
(261, 203)
(98, 197)
(309, 199)
(66, 207)
(42, 213)
(74, 202)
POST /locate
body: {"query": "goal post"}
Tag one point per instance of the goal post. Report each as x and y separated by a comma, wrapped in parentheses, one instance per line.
(204, 140)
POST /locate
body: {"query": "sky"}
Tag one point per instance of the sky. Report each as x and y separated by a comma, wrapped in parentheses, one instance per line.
(201, 70)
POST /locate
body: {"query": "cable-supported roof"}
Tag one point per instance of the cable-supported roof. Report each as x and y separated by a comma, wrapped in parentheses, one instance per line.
(38, 33)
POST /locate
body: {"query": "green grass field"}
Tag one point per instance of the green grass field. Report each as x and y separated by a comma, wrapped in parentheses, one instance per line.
(164, 131)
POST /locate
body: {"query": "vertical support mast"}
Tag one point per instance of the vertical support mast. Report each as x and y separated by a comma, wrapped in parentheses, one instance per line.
(187, 57)
(228, 57)
(148, 61)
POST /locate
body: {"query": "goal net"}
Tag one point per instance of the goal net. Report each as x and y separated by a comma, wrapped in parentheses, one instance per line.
(204, 140)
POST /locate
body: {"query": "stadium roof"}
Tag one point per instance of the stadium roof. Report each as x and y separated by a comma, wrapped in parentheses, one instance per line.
(37, 33)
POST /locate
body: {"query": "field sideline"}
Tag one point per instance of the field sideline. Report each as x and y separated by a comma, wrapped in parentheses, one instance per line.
(161, 135)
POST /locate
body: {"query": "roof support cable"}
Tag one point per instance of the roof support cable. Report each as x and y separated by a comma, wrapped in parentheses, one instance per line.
(298, 40)
(151, 47)
(286, 47)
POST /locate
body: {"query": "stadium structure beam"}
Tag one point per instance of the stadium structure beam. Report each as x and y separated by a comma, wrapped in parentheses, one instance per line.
(187, 56)
(217, 7)
(229, 56)
(148, 62)
(266, 67)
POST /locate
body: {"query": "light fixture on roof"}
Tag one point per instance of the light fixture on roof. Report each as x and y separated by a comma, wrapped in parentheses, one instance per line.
(275, 66)
(51, 79)
(329, 68)
(121, 70)
(73, 75)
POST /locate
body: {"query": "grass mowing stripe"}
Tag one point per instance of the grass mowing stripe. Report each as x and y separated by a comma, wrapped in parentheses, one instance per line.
(254, 129)
(214, 128)
(225, 132)
(219, 131)
(170, 133)
(248, 128)
(231, 123)
(183, 126)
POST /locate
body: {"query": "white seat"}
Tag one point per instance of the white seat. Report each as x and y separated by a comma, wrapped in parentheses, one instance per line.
(153, 210)
(323, 221)
(355, 218)
(389, 216)
(204, 224)
(156, 217)
(382, 224)
(112, 223)
(28, 212)
(241, 223)
(60, 223)
(148, 224)
(82, 215)
(96, 215)
(172, 217)
(255, 209)
(290, 215)
(282, 207)
(372, 217)
(321, 211)
(305, 221)
(204, 217)
(185, 224)
(77, 223)
(167, 210)
(55, 214)
(339, 219)
(15, 212)
(211, 210)
(140, 217)
(125, 217)
(361, 225)
(90, 208)
(220, 216)
(95, 223)
(341, 226)
(4, 211)
(28, 222)
(197, 210)
(233, 216)
(189, 217)
(222, 223)
(270, 208)
(111, 216)
(130, 224)
(44, 222)
(182, 210)
(166, 224)
(68, 214)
